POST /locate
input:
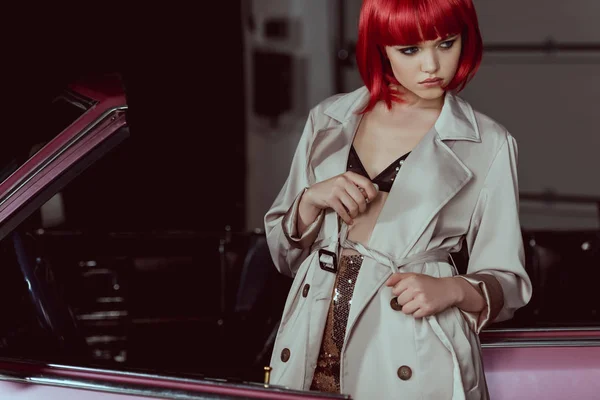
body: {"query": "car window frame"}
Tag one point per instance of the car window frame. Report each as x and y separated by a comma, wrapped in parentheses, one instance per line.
(51, 168)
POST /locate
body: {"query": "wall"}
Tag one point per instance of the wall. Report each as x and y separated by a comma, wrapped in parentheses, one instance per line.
(270, 147)
(548, 101)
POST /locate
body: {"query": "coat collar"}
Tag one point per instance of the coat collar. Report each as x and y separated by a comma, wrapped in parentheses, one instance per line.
(456, 121)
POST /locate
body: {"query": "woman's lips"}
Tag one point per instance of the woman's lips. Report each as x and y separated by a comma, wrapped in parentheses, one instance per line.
(432, 82)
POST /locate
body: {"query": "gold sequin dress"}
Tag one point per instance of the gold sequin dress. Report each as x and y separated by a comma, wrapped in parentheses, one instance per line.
(327, 372)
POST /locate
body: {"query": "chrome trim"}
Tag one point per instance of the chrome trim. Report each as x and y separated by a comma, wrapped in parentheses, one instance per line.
(61, 151)
(203, 381)
(125, 374)
(116, 388)
(542, 343)
(515, 330)
(145, 390)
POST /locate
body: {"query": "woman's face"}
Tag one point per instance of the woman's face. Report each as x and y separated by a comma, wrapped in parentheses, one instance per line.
(426, 68)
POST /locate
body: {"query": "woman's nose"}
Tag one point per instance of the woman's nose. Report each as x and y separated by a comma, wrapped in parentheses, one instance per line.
(430, 63)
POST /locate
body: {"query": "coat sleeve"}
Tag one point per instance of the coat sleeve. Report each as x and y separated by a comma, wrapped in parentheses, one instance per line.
(288, 249)
(495, 243)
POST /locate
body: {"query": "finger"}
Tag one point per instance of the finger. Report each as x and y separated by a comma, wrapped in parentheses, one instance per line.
(339, 208)
(363, 192)
(420, 313)
(349, 203)
(400, 287)
(370, 188)
(397, 277)
(411, 307)
(357, 195)
(405, 296)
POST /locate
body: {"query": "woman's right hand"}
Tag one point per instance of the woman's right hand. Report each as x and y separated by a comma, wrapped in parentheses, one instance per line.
(347, 194)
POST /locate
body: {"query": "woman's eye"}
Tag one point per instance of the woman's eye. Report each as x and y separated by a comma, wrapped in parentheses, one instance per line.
(447, 44)
(409, 50)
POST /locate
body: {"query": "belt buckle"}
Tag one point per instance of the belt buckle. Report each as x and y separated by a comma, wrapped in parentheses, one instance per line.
(328, 261)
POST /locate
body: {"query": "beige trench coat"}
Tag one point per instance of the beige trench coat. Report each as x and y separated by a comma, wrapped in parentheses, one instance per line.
(458, 187)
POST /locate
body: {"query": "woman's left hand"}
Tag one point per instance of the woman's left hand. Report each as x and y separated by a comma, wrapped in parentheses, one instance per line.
(423, 295)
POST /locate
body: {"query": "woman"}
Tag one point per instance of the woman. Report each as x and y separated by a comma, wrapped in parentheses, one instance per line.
(386, 182)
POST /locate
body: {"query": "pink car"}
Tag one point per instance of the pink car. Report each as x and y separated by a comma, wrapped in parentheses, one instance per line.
(96, 310)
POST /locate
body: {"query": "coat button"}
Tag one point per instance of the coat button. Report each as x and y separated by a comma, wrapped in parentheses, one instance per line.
(285, 355)
(404, 373)
(395, 305)
(305, 290)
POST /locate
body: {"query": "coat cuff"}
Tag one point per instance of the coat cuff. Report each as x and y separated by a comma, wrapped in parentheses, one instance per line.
(290, 226)
(492, 292)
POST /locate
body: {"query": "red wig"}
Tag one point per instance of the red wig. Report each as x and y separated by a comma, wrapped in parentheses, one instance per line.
(405, 22)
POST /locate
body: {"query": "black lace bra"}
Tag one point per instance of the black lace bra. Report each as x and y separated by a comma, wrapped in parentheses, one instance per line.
(385, 179)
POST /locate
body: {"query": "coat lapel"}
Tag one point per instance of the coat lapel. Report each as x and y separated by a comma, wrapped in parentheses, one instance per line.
(331, 145)
(429, 178)
(329, 151)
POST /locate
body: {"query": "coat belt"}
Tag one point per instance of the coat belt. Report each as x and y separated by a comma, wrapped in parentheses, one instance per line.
(394, 263)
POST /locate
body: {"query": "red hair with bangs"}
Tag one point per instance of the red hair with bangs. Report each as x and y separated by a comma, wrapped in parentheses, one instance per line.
(405, 22)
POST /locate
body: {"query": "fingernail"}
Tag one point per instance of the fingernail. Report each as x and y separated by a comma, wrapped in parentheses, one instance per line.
(376, 186)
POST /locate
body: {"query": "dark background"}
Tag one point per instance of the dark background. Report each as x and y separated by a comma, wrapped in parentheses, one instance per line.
(182, 70)
(183, 169)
